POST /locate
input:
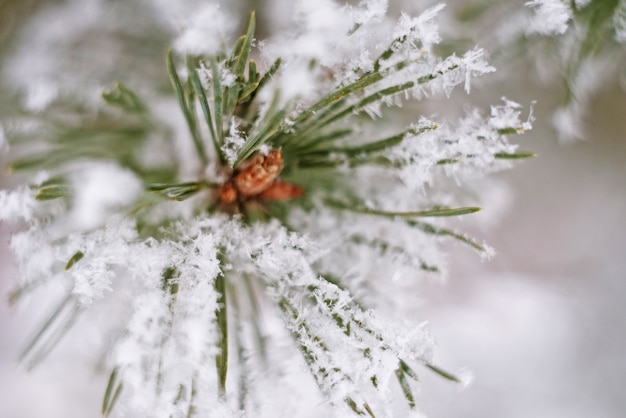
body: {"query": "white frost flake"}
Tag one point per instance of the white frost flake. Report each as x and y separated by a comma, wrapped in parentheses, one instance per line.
(465, 151)
(619, 21)
(103, 250)
(233, 142)
(370, 11)
(16, 204)
(507, 116)
(473, 65)
(205, 32)
(40, 94)
(4, 142)
(421, 30)
(551, 17)
(99, 189)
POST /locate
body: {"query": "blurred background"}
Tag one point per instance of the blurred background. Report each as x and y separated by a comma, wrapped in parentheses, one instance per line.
(542, 326)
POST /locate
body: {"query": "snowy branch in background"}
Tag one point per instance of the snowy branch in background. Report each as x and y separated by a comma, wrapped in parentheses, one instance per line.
(577, 45)
(590, 38)
(551, 17)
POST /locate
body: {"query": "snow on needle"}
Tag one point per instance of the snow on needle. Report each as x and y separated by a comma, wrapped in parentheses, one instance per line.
(230, 253)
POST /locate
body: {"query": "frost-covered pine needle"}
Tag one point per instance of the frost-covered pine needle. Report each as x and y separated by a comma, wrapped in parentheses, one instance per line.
(272, 227)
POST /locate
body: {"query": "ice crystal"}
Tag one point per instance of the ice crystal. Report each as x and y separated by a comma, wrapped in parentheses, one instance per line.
(619, 21)
(551, 16)
(233, 143)
(205, 32)
(99, 190)
(589, 35)
(16, 204)
(4, 143)
(463, 151)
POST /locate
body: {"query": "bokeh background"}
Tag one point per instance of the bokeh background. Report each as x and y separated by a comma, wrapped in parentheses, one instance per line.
(542, 326)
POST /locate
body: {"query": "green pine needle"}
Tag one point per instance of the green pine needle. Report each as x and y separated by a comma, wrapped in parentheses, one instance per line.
(54, 191)
(515, 155)
(185, 106)
(221, 360)
(75, 259)
(444, 212)
(124, 98)
(111, 396)
(446, 375)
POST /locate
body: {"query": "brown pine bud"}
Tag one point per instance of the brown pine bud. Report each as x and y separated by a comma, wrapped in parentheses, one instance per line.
(281, 191)
(227, 193)
(258, 174)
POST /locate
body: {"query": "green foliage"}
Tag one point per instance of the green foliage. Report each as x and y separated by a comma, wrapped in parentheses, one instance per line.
(313, 142)
(111, 394)
(71, 132)
(124, 98)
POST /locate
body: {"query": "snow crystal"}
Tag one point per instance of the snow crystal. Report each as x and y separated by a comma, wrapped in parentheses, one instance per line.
(205, 32)
(466, 377)
(264, 149)
(158, 360)
(102, 250)
(473, 65)
(568, 122)
(99, 189)
(16, 204)
(322, 15)
(4, 142)
(35, 240)
(40, 94)
(488, 253)
(619, 21)
(421, 30)
(551, 17)
(336, 45)
(233, 142)
(370, 11)
(227, 77)
(507, 116)
(465, 151)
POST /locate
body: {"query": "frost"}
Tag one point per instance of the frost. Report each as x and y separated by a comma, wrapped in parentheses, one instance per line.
(619, 21)
(551, 17)
(488, 253)
(40, 94)
(464, 151)
(461, 70)
(508, 116)
(474, 65)
(264, 149)
(102, 249)
(346, 42)
(100, 189)
(227, 78)
(16, 204)
(421, 30)
(233, 143)
(330, 315)
(370, 11)
(156, 358)
(568, 121)
(205, 32)
(4, 142)
(466, 377)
